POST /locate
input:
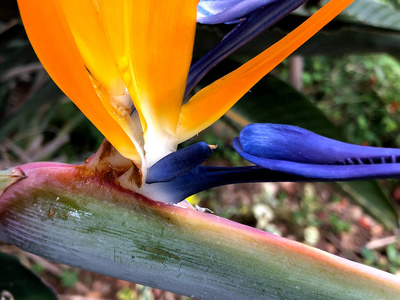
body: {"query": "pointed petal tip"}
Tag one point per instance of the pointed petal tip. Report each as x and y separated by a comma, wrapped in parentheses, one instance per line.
(9, 177)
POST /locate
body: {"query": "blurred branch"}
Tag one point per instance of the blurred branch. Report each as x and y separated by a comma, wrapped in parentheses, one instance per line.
(296, 72)
(21, 71)
(61, 139)
(7, 26)
(383, 242)
(20, 153)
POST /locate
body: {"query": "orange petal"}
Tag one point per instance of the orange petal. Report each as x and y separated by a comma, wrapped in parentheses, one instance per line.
(212, 102)
(56, 49)
(83, 20)
(154, 57)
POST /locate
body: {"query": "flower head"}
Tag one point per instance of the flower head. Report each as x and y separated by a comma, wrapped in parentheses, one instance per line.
(125, 64)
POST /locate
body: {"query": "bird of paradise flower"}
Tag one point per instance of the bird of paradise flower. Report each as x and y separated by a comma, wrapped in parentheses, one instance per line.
(126, 65)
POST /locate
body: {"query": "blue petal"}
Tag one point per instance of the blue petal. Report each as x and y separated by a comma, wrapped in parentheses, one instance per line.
(254, 24)
(300, 152)
(203, 178)
(223, 11)
(179, 163)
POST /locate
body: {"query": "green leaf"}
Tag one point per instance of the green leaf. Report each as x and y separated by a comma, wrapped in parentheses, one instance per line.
(282, 104)
(339, 37)
(22, 283)
(374, 13)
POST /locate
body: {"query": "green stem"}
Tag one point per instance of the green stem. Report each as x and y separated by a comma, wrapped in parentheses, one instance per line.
(71, 216)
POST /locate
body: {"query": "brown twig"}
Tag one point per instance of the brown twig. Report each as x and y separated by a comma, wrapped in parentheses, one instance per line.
(383, 242)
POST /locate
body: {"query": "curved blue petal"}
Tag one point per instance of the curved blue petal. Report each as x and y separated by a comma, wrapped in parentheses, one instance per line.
(300, 152)
(223, 11)
(179, 163)
(255, 23)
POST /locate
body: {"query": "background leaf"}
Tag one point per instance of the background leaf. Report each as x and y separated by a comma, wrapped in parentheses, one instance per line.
(341, 36)
(22, 283)
(374, 13)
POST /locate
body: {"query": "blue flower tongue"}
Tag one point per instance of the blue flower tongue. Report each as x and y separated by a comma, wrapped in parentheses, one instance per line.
(298, 151)
(179, 163)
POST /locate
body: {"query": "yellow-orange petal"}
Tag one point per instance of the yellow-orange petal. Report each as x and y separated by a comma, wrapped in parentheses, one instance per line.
(114, 16)
(82, 17)
(212, 102)
(55, 47)
(83, 20)
(154, 58)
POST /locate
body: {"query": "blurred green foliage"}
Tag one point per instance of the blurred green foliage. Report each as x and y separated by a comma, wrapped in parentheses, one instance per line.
(385, 258)
(69, 277)
(360, 94)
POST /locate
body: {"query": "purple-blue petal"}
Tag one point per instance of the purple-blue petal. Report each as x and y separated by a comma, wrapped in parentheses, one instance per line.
(223, 11)
(179, 163)
(202, 178)
(300, 152)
